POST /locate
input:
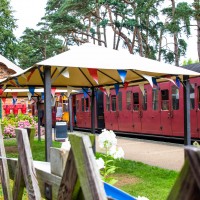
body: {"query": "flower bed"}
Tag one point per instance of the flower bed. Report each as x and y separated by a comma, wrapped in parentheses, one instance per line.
(10, 122)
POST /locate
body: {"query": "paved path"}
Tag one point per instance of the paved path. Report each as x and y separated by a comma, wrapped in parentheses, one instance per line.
(164, 155)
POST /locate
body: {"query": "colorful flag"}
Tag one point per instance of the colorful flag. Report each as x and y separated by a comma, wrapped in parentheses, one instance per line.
(93, 73)
(122, 74)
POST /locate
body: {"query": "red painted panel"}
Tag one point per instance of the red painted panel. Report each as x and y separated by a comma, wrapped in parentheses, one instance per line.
(151, 116)
(137, 109)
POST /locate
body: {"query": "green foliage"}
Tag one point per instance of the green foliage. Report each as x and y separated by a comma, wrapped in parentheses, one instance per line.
(37, 45)
(8, 42)
(189, 62)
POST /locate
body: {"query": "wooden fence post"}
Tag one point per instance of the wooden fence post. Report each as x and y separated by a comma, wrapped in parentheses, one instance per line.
(4, 173)
(26, 162)
(187, 185)
(86, 168)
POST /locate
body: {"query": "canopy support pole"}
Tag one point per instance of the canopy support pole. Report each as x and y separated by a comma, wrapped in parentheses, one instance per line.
(93, 116)
(70, 113)
(48, 112)
(186, 94)
(39, 124)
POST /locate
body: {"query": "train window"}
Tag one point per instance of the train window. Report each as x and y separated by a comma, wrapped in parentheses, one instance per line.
(165, 99)
(128, 100)
(120, 101)
(113, 100)
(155, 98)
(77, 105)
(175, 98)
(199, 96)
(192, 97)
(136, 101)
(82, 104)
(87, 104)
(144, 103)
(107, 103)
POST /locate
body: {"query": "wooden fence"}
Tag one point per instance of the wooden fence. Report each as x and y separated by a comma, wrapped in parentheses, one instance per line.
(76, 178)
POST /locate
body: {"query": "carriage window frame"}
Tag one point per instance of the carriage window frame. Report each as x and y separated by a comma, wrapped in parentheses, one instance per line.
(165, 99)
(77, 105)
(114, 103)
(87, 104)
(175, 97)
(107, 103)
(82, 105)
(128, 100)
(155, 99)
(144, 100)
(136, 101)
(192, 100)
(119, 101)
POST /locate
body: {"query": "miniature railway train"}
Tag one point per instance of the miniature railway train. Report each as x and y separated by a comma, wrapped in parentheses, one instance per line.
(155, 111)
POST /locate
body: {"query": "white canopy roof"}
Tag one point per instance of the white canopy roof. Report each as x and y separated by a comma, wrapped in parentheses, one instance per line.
(106, 61)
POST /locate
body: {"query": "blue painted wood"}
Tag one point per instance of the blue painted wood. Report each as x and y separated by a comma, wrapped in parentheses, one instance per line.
(116, 193)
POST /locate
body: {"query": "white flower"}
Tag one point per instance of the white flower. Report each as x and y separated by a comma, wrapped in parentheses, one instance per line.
(107, 139)
(100, 163)
(142, 198)
(66, 145)
(116, 152)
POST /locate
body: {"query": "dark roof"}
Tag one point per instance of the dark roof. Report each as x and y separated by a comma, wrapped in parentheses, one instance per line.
(194, 67)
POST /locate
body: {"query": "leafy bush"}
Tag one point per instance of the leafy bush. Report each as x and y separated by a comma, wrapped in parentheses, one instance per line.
(11, 122)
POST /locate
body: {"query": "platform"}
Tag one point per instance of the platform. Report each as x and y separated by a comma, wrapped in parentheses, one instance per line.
(160, 154)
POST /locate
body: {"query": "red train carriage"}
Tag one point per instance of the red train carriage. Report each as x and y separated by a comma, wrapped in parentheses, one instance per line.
(157, 111)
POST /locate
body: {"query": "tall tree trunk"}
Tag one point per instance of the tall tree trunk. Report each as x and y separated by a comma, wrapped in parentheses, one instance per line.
(160, 45)
(98, 21)
(175, 36)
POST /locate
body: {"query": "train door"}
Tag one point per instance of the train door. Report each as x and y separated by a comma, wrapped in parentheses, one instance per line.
(100, 110)
(120, 109)
(111, 113)
(125, 118)
(151, 111)
(177, 110)
(137, 110)
(194, 107)
(165, 113)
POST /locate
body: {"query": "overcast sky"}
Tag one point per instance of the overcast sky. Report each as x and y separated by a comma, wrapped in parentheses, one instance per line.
(29, 12)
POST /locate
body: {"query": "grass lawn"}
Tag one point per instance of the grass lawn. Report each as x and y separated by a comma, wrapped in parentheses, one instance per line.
(135, 178)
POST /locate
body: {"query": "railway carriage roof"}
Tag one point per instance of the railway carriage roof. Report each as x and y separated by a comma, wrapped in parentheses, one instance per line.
(71, 68)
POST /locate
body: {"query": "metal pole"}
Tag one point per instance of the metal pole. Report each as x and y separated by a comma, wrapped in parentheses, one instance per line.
(47, 110)
(70, 113)
(38, 113)
(186, 94)
(93, 117)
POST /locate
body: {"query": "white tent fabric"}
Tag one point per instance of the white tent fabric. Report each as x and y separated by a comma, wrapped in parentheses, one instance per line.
(93, 56)
(10, 65)
(106, 61)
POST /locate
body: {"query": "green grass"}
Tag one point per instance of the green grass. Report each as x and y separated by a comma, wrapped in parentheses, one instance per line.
(152, 182)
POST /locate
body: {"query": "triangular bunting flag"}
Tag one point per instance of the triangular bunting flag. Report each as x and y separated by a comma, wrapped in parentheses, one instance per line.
(93, 74)
(125, 85)
(31, 90)
(69, 91)
(149, 79)
(107, 90)
(53, 90)
(42, 95)
(85, 91)
(3, 99)
(178, 83)
(122, 74)
(14, 95)
(1, 90)
(65, 73)
(116, 88)
(154, 82)
(29, 96)
(103, 90)
(141, 86)
(14, 101)
(53, 101)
